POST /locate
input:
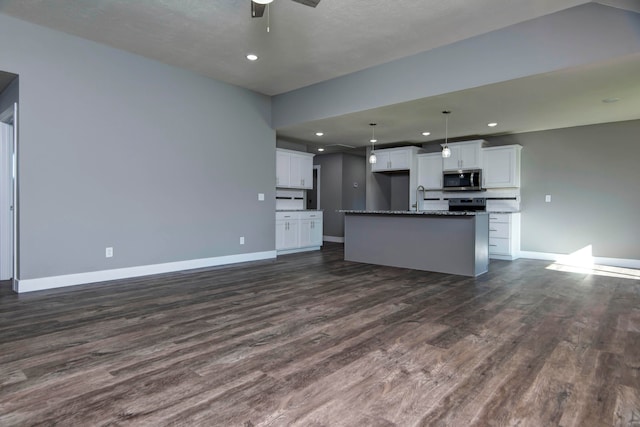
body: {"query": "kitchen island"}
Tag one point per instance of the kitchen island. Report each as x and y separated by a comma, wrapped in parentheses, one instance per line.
(440, 241)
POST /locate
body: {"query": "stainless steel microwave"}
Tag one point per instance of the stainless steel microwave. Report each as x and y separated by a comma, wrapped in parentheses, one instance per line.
(462, 180)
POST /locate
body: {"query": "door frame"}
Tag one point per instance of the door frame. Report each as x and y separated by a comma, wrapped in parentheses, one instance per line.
(317, 169)
(10, 116)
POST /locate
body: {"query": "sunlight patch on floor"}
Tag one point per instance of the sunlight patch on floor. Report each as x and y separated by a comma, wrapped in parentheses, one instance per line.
(582, 262)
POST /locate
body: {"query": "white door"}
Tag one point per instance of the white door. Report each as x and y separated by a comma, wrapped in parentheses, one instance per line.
(6, 201)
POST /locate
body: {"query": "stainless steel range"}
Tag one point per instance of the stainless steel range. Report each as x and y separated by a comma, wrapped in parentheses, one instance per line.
(468, 204)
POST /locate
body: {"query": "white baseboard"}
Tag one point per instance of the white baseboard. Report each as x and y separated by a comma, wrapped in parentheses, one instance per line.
(297, 250)
(614, 262)
(334, 239)
(42, 283)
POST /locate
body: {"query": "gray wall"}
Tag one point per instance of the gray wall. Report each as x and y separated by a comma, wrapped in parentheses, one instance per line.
(354, 172)
(118, 150)
(338, 174)
(9, 95)
(592, 174)
(331, 193)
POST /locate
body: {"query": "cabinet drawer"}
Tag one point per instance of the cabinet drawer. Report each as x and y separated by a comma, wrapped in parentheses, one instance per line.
(499, 217)
(310, 215)
(287, 215)
(499, 229)
(499, 246)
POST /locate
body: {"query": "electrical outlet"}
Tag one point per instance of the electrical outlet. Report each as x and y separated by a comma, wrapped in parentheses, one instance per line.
(242, 240)
(547, 198)
(108, 252)
(261, 197)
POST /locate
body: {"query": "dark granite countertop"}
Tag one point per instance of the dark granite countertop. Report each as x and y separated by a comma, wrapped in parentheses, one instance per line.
(439, 213)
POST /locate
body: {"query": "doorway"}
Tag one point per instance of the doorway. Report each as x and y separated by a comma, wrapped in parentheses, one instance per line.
(8, 140)
(313, 195)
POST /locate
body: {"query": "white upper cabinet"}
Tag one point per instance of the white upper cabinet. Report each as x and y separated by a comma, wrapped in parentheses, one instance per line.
(394, 159)
(283, 168)
(464, 155)
(294, 169)
(430, 171)
(501, 166)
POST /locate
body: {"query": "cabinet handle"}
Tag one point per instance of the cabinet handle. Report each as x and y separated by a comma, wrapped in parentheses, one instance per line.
(491, 229)
(493, 245)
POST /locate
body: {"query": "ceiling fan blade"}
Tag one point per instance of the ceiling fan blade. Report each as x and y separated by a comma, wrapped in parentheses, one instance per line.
(312, 3)
(257, 10)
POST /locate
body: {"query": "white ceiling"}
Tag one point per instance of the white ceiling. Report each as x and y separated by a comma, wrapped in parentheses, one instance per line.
(308, 45)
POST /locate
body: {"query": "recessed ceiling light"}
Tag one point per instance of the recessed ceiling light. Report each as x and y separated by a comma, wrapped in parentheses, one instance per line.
(426, 133)
(610, 100)
(320, 149)
(373, 140)
(319, 133)
(252, 57)
(492, 125)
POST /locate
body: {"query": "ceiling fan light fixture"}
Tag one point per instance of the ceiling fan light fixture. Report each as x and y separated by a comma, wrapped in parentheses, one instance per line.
(262, 1)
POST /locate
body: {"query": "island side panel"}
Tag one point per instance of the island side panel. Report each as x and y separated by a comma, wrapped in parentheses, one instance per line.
(445, 244)
(482, 244)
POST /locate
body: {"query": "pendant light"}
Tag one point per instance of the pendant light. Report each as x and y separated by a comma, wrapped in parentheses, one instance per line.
(446, 151)
(372, 157)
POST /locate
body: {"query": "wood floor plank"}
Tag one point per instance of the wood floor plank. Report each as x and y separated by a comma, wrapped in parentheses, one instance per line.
(312, 340)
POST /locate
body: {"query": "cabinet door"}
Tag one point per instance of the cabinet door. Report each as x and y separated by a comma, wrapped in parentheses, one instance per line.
(281, 229)
(316, 232)
(306, 172)
(283, 169)
(452, 162)
(311, 229)
(464, 155)
(469, 156)
(399, 160)
(310, 232)
(382, 162)
(301, 171)
(430, 171)
(501, 169)
(291, 234)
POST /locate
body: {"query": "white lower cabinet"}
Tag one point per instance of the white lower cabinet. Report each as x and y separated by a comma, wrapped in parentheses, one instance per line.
(287, 230)
(504, 236)
(310, 229)
(298, 231)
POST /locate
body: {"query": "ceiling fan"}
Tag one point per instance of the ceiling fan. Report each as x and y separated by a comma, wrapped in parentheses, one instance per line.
(258, 6)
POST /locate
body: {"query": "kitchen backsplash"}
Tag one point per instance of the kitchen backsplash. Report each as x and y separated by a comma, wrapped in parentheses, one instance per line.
(290, 199)
(507, 200)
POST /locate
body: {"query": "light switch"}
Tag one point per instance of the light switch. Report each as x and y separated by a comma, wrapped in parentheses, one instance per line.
(547, 198)
(261, 197)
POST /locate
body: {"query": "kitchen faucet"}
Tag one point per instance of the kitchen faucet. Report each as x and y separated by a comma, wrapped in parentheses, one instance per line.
(418, 190)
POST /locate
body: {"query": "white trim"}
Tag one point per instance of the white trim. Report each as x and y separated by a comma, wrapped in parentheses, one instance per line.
(318, 168)
(334, 239)
(615, 262)
(42, 283)
(296, 250)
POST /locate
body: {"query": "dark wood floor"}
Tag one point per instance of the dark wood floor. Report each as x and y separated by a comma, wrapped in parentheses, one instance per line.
(312, 340)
